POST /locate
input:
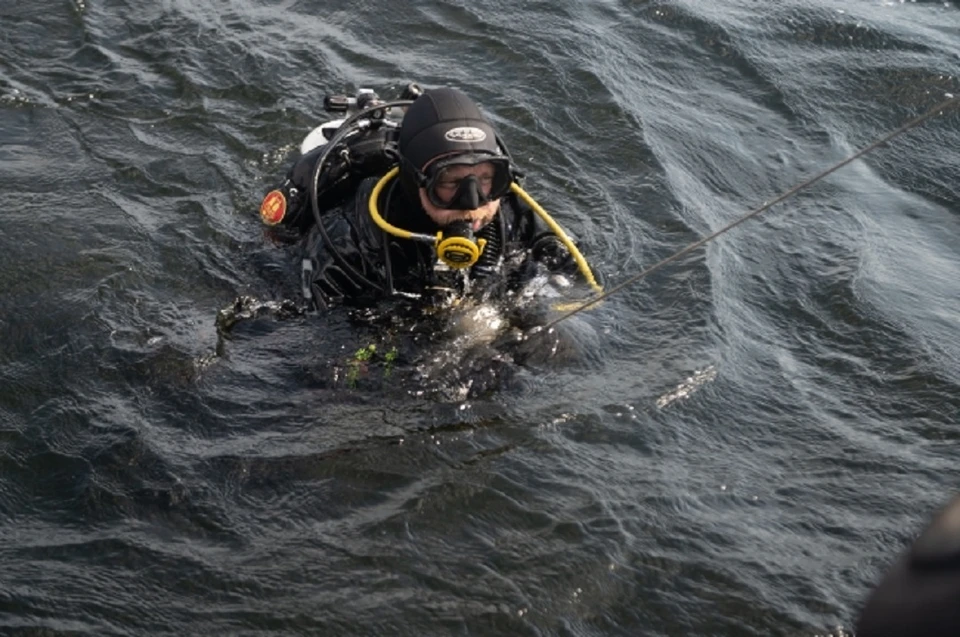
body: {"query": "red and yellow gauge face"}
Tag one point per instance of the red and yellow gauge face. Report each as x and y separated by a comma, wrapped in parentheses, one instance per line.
(273, 208)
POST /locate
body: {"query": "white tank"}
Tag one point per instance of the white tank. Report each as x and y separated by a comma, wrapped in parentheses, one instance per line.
(320, 135)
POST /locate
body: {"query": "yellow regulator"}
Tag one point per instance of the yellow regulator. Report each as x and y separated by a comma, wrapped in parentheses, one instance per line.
(456, 247)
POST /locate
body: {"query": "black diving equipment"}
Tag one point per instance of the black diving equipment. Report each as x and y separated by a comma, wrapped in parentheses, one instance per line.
(460, 249)
(356, 123)
(366, 98)
(466, 182)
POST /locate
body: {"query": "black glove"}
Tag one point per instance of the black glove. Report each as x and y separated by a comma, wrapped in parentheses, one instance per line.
(552, 253)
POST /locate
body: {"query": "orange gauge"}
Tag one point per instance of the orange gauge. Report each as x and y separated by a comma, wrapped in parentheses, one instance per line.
(273, 208)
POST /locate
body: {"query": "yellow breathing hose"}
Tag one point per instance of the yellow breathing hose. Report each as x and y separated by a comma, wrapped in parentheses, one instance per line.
(381, 222)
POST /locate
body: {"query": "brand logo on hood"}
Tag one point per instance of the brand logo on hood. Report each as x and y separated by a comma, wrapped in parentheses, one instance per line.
(468, 134)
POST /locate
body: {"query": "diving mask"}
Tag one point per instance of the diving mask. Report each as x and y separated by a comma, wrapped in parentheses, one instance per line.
(466, 182)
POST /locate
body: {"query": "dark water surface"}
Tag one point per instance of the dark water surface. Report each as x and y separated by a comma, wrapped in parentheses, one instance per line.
(739, 445)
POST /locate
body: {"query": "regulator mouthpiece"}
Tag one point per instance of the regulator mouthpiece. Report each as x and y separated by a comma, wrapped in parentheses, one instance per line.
(456, 246)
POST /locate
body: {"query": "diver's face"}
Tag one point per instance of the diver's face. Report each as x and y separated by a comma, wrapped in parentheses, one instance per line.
(446, 187)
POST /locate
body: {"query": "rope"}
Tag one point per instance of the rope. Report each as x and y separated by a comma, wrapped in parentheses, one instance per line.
(954, 101)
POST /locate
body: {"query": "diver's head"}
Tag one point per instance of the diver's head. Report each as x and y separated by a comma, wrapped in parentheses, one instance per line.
(450, 159)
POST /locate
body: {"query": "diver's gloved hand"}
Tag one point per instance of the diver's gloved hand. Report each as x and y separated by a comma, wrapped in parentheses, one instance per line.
(551, 252)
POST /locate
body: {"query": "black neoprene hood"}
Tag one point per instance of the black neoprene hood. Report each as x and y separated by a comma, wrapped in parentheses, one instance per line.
(443, 121)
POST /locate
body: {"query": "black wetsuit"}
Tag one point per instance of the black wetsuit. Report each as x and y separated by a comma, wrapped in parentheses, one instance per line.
(353, 260)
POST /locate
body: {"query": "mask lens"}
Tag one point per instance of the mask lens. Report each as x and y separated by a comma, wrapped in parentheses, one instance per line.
(491, 179)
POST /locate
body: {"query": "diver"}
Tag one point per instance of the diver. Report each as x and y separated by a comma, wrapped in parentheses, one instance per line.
(920, 594)
(426, 206)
